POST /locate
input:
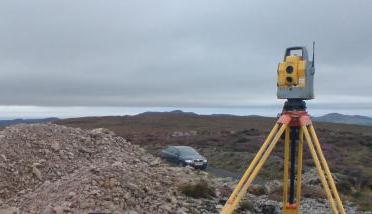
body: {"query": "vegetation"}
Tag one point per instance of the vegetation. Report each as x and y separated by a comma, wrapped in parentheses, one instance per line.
(200, 189)
(230, 143)
(246, 206)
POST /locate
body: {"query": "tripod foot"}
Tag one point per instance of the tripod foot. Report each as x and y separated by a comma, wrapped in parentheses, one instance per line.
(290, 209)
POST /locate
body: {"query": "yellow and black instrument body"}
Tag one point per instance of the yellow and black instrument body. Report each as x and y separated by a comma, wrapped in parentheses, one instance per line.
(296, 75)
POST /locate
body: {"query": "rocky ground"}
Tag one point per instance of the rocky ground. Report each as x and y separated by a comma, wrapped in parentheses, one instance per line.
(54, 169)
(230, 143)
(47, 168)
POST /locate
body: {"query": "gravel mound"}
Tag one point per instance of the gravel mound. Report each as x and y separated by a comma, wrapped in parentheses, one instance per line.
(46, 168)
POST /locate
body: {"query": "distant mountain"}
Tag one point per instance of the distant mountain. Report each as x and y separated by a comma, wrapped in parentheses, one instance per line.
(28, 121)
(175, 112)
(347, 119)
(329, 118)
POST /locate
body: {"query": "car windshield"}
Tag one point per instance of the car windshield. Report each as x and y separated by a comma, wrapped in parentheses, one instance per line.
(187, 152)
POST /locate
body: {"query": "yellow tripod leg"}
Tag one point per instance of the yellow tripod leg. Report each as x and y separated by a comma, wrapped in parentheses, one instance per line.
(232, 204)
(320, 170)
(258, 156)
(326, 169)
(299, 168)
(286, 167)
(290, 210)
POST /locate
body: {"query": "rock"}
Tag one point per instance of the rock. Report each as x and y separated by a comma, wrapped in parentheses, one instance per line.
(166, 207)
(108, 204)
(71, 195)
(86, 204)
(131, 186)
(156, 162)
(117, 164)
(130, 212)
(85, 150)
(271, 186)
(36, 164)
(55, 146)
(311, 177)
(58, 210)
(36, 172)
(100, 131)
(48, 210)
(269, 209)
(10, 210)
(181, 210)
(173, 200)
(219, 206)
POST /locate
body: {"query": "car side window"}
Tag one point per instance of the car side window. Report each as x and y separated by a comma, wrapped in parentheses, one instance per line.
(174, 151)
(168, 150)
(177, 152)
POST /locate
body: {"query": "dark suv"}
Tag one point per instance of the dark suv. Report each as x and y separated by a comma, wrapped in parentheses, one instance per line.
(184, 156)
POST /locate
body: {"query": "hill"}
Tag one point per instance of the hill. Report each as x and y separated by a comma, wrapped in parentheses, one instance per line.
(347, 119)
(26, 121)
(230, 142)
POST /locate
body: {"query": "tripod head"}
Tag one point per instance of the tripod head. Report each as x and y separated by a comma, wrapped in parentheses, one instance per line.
(296, 75)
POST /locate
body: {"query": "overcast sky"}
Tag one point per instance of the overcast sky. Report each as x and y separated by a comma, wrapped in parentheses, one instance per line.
(189, 53)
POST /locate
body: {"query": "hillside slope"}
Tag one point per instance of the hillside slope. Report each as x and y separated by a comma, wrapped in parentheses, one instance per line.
(230, 142)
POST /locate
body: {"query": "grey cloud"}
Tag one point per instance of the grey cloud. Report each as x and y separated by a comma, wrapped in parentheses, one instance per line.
(169, 53)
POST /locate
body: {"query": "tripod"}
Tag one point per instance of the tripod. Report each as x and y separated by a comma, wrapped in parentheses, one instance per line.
(295, 124)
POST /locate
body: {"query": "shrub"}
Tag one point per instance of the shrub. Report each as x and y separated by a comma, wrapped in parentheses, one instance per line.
(246, 205)
(201, 189)
(257, 190)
